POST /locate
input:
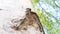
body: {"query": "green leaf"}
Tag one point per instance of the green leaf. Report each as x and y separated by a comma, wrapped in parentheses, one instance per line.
(36, 1)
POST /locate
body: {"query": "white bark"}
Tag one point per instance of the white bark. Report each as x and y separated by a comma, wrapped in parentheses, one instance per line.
(12, 9)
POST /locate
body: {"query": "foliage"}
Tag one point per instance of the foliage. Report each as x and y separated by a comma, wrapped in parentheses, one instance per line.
(35, 1)
(48, 11)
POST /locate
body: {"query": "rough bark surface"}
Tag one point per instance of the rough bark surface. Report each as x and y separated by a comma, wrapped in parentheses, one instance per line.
(15, 10)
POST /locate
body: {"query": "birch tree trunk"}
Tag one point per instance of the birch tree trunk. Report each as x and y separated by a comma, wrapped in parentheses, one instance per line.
(14, 9)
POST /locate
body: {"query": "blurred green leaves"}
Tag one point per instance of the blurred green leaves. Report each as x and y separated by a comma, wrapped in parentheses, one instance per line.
(49, 15)
(35, 1)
